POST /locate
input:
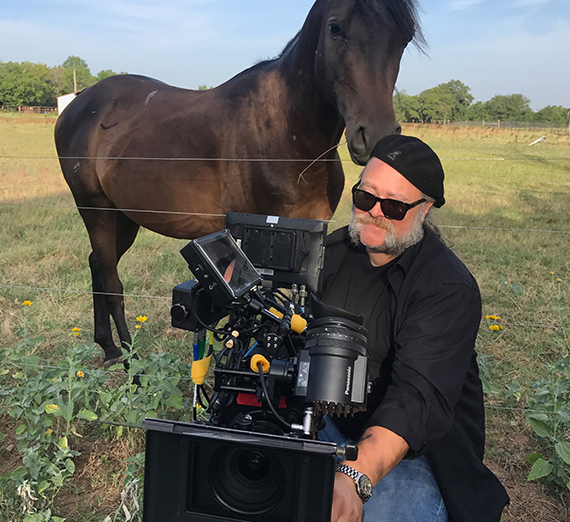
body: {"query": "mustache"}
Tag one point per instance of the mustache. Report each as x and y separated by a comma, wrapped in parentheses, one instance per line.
(380, 221)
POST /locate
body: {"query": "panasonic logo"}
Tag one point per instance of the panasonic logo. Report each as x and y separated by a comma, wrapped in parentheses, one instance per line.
(348, 379)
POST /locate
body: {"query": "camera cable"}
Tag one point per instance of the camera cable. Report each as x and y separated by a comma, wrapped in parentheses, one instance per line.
(267, 398)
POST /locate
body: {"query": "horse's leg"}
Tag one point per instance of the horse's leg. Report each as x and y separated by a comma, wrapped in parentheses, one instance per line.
(126, 232)
(102, 320)
(111, 233)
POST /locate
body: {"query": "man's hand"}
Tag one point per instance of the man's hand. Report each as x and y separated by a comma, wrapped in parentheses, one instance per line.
(347, 506)
(379, 451)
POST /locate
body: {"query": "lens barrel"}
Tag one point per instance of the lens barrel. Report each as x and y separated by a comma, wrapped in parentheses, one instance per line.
(338, 373)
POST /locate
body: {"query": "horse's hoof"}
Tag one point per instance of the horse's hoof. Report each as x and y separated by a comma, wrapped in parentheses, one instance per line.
(112, 355)
(107, 363)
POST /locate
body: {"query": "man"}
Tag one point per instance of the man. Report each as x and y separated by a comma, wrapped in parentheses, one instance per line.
(421, 440)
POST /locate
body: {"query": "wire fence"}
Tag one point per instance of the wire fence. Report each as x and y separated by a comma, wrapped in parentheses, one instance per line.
(551, 127)
(190, 159)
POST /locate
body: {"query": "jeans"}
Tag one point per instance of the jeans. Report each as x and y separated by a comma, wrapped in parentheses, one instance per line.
(408, 493)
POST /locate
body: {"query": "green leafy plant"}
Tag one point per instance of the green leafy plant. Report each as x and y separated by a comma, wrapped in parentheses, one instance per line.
(53, 404)
(485, 361)
(548, 412)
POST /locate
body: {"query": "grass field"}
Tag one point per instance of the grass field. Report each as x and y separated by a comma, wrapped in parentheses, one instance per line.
(505, 216)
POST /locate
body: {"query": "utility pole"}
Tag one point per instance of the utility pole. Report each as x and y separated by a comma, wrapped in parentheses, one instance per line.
(74, 82)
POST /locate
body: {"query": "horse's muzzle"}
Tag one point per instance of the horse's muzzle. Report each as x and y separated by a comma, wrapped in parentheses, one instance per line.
(363, 141)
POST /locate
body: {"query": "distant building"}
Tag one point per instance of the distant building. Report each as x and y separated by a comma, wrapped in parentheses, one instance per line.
(64, 101)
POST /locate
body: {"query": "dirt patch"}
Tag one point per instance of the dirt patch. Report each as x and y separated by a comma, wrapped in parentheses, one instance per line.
(530, 501)
(511, 440)
(10, 458)
(97, 482)
(99, 471)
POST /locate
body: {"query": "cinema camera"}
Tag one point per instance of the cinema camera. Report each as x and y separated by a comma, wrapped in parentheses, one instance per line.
(286, 360)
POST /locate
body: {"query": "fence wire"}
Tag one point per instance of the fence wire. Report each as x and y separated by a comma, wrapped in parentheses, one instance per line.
(205, 214)
(41, 365)
(252, 160)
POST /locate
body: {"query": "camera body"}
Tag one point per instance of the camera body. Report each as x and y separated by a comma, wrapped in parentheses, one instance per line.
(314, 357)
(286, 361)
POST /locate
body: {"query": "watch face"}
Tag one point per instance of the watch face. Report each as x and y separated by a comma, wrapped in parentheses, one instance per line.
(364, 488)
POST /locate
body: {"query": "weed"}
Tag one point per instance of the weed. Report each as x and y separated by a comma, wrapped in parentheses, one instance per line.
(548, 412)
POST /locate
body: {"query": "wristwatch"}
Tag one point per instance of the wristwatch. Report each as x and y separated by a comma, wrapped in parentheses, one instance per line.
(362, 482)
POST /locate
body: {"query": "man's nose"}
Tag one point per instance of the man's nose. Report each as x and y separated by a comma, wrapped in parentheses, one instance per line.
(376, 210)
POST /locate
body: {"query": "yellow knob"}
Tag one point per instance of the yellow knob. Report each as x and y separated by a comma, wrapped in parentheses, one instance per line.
(256, 359)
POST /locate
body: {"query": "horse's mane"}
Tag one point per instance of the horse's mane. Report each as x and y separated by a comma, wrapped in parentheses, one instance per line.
(290, 44)
(405, 16)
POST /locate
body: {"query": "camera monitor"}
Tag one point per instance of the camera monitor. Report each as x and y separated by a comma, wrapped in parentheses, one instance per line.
(220, 266)
(284, 250)
(202, 473)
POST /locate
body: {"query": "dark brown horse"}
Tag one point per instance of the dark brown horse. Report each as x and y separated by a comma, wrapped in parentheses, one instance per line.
(125, 143)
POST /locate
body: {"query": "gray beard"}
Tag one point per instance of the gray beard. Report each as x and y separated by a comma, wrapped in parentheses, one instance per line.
(393, 245)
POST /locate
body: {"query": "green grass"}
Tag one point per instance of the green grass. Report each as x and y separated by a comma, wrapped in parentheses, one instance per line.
(505, 218)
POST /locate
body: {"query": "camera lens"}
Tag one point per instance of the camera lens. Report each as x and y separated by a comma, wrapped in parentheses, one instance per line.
(253, 465)
(246, 481)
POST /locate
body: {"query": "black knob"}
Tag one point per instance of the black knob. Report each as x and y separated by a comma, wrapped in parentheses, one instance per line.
(179, 311)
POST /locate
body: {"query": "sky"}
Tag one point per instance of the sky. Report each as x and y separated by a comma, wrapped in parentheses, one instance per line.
(492, 46)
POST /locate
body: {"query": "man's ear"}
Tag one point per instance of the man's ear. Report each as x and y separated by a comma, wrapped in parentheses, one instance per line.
(426, 209)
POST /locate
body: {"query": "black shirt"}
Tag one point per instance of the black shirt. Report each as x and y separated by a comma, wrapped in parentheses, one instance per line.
(427, 387)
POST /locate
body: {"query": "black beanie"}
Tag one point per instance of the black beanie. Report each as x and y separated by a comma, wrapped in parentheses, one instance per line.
(414, 160)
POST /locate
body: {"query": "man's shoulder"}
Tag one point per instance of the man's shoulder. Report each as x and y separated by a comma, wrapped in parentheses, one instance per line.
(441, 263)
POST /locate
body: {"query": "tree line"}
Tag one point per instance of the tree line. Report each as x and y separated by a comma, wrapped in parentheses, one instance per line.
(36, 84)
(453, 101)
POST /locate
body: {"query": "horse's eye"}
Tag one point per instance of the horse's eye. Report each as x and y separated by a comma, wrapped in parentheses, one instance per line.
(335, 30)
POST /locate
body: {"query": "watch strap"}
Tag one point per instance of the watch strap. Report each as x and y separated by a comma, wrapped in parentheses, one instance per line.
(357, 476)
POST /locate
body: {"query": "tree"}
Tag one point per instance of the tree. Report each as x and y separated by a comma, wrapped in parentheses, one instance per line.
(462, 96)
(553, 114)
(74, 62)
(478, 112)
(436, 104)
(407, 107)
(83, 77)
(101, 75)
(512, 107)
(26, 83)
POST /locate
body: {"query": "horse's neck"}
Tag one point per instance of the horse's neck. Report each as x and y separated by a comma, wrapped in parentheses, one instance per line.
(296, 67)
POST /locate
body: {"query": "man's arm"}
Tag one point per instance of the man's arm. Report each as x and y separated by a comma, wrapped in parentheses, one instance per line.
(379, 451)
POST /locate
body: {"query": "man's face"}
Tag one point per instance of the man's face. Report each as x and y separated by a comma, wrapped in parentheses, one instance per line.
(372, 229)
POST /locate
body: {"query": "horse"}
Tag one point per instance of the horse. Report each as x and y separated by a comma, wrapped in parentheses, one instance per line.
(137, 152)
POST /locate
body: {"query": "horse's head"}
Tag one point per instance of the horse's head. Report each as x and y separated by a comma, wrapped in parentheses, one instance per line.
(357, 62)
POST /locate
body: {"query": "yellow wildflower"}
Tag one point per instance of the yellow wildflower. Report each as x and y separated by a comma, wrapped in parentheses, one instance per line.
(493, 317)
(27, 303)
(496, 327)
(80, 374)
(142, 318)
(138, 325)
(49, 431)
(551, 273)
(559, 280)
(76, 331)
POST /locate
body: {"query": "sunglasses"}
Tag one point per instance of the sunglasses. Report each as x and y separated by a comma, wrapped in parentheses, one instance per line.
(391, 208)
